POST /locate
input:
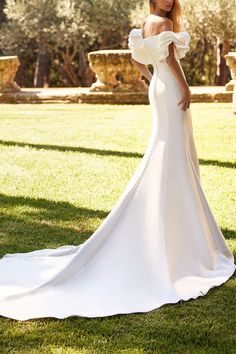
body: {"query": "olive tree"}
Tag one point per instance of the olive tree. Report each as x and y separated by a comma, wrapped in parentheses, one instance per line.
(61, 32)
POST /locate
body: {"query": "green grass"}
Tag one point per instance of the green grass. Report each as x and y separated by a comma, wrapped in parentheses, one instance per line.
(62, 168)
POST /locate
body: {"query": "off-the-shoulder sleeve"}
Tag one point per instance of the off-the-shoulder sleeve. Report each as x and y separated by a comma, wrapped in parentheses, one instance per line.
(136, 44)
(181, 44)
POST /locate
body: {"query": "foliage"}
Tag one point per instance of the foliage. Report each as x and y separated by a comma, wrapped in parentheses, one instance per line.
(66, 31)
(208, 22)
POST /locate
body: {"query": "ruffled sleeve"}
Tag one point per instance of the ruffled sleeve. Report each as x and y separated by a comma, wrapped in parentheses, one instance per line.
(138, 49)
(153, 49)
(181, 44)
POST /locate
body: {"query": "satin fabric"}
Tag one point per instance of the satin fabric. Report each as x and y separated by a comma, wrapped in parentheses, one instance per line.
(159, 244)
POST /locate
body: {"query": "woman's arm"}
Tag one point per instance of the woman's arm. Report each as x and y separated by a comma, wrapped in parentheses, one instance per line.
(177, 70)
(143, 69)
(178, 74)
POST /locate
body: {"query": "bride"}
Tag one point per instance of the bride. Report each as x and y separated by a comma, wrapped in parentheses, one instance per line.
(160, 243)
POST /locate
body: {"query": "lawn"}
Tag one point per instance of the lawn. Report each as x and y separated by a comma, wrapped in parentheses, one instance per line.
(62, 168)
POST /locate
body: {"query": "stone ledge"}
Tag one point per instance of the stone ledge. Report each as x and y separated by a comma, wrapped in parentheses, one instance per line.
(83, 95)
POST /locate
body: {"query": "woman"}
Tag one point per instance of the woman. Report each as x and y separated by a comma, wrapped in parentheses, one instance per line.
(160, 243)
(161, 12)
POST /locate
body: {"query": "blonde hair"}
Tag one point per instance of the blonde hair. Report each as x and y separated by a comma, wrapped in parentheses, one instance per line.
(174, 14)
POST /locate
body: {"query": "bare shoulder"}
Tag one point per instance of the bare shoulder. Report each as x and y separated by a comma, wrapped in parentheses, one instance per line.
(156, 24)
(166, 24)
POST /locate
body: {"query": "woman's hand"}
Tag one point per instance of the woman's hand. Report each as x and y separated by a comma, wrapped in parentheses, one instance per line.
(185, 99)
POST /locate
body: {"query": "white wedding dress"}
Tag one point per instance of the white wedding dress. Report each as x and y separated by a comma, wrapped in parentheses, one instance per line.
(159, 244)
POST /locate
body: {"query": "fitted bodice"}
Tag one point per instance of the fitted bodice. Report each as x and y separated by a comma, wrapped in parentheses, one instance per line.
(154, 49)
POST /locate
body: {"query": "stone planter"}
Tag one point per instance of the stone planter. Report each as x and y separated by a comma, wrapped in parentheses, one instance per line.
(231, 62)
(115, 72)
(8, 69)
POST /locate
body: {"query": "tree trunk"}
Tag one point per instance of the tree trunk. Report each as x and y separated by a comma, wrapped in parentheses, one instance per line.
(41, 76)
(222, 73)
(86, 75)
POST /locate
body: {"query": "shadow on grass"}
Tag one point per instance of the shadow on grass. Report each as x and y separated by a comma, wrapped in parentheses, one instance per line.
(217, 163)
(43, 223)
(73, 149)
(229, 234)
(105, 152)
(49, 208)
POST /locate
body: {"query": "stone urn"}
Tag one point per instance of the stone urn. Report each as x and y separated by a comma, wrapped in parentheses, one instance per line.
(231, 86)
(115, 72)
(8, 69)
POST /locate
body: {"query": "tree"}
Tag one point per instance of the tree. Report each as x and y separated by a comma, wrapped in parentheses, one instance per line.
(211, 23)
(65, 30)
(2, 14)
